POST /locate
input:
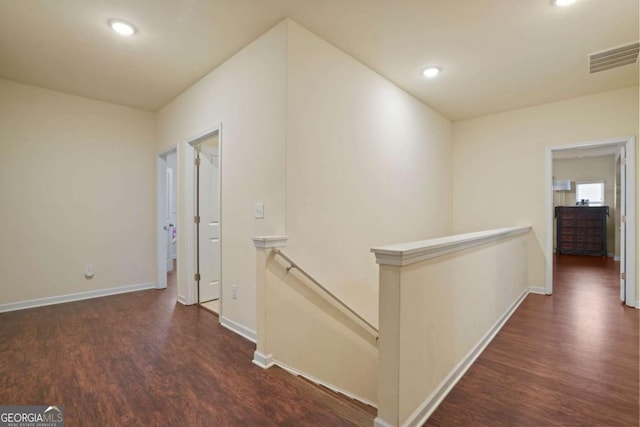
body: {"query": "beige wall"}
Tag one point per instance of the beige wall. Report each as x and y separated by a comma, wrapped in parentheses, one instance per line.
(601, 168)
(504, 154)
(367, 165)
(77, 184)
(247, 95)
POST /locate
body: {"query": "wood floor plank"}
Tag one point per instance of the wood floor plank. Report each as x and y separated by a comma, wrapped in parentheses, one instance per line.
(568, 359)
(140, 359)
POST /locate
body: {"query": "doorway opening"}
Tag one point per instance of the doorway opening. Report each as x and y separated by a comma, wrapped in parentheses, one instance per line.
(207, 223)
(167, 218)
(591, 214)
(199, 222)
(189, 227)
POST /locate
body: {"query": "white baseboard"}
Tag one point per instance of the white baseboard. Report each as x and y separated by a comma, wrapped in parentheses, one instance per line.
(424, 411)
(379, 422)
(60, 299)
(537, 290)
(182, 299)
(311, 378)
(616, 258)
(638, 304)
(265, 361)
(239, 329)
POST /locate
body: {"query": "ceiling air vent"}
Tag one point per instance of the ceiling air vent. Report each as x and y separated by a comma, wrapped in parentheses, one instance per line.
(613, 58)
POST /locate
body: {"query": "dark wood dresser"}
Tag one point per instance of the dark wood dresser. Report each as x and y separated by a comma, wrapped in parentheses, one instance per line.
(582, 230)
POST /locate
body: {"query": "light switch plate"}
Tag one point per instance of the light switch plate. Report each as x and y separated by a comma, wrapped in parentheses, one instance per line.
(260, 210)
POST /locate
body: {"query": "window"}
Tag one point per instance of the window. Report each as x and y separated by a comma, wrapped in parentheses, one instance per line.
(591, 191)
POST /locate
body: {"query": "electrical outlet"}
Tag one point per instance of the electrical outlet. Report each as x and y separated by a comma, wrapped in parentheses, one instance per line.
(234, 291)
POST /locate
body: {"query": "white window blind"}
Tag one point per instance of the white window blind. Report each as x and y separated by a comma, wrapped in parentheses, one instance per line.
(591, 191)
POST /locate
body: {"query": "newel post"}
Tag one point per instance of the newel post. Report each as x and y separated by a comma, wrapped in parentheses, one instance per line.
(264, 248)
(389, 282)
(389, 348)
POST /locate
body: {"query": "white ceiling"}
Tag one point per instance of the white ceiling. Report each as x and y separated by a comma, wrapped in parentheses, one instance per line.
(496, 55)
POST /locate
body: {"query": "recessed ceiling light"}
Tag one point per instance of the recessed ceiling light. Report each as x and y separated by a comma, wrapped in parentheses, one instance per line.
(431, 72)
(122, 27)
(563, 2)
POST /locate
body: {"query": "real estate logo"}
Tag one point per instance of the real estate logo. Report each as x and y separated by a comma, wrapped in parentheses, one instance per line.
(32, 416)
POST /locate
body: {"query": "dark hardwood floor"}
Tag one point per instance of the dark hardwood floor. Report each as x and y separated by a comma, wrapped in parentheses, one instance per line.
(569, 359)
(140, 359)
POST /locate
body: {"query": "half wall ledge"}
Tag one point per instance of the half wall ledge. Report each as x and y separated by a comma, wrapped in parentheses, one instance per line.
(270, 241)
(408, 253)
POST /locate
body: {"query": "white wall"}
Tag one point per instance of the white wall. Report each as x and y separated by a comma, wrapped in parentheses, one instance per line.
(367, 165)
(77, 187)
(600, 168)
(499, 161)
(247, 95)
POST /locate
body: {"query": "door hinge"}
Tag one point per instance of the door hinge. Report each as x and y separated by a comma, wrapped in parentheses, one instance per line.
(623, 276)
(623, 160)
(196, 277)
(623, 218)
(197, 162)
(196, 219)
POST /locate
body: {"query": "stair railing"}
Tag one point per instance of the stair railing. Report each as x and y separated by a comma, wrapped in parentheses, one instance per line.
(292, 264)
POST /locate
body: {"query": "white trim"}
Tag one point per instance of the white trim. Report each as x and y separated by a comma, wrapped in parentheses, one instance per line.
(60, 299)
(537, 290)
(239, 329)
(331, 387)
(409, 253)
(265, 361)
(631, 263)
(424, 411)
(186, 226)
(638, 304)
(379, 422)
(196, 138)
(182, 299)
(270, 241)
(616, 258)
(161, 243)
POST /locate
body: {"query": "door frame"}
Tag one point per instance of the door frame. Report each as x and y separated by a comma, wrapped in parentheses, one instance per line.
(187, 223)
(631, 214)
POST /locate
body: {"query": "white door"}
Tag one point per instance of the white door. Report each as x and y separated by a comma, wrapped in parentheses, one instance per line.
(209, 230)
(623, 223)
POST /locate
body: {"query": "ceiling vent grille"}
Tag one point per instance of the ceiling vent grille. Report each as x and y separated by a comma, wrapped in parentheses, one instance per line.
(613, 58)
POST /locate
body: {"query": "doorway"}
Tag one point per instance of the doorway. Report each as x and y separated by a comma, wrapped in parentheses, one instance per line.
(199, 222)
(198, 237)
(586, 175)
(207, 233)
(167, 211)
(172, 211)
